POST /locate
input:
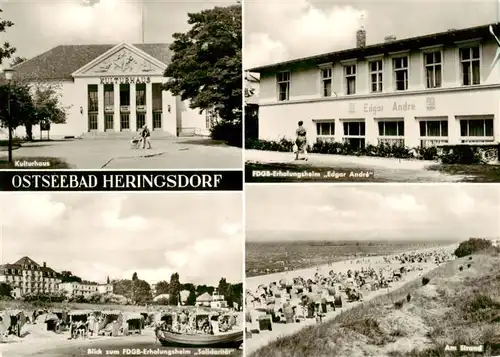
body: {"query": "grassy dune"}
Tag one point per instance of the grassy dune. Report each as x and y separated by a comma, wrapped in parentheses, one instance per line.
(454, 308)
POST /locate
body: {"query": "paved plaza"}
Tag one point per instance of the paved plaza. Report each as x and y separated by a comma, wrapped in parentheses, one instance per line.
(166, 153)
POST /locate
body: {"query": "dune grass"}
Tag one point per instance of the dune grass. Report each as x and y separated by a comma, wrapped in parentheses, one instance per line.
(449, 307)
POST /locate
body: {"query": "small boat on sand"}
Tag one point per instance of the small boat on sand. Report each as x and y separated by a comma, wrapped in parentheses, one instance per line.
(222, 340)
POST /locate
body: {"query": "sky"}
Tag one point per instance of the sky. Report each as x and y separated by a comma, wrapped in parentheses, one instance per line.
(43, 24)
(339, 212)
(99, 235)
(279, 30)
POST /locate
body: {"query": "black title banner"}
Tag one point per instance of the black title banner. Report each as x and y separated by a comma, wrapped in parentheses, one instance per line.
(66, 180)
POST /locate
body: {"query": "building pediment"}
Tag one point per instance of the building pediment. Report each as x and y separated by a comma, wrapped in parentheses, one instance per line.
(123, 59)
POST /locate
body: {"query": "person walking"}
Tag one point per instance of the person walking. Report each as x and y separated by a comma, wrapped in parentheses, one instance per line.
(146, 137)
(301, 141)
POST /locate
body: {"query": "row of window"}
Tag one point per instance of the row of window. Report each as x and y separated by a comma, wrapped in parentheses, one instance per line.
(124, 121)
(109, 96)
(433, 66)
(396, 128)
(28, 272)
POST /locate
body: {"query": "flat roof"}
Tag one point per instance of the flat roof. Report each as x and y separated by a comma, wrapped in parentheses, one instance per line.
(386, 47)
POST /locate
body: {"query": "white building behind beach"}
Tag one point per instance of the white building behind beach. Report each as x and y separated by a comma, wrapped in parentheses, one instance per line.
(26, 276)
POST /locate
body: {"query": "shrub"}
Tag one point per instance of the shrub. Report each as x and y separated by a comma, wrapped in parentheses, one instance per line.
(427, 153)
(228, 131)
(425, 280)
(399, 304)
(461, 154)
(473, 245)
(44, 298)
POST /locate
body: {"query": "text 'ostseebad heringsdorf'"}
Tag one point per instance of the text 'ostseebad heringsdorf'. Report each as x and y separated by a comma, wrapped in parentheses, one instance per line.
(123, 181)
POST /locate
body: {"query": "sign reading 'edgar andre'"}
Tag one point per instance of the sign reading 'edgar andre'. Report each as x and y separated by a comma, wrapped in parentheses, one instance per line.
(125, 80)
(396, 107)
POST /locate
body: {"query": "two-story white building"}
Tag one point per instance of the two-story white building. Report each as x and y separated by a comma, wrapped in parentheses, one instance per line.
(436, 89)
(111, 89)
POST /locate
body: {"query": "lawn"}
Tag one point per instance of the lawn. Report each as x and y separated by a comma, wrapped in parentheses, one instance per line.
(475, 173)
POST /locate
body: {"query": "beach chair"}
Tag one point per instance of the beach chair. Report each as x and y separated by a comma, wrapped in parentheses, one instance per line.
(265, 323)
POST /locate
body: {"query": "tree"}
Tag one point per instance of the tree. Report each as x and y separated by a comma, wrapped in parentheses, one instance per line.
(142, 292)
(224, 287)
(201, 289)
(473, 245)
(17, 60)
(21, 105)
(5, 51)
(107, 280)
(174, 289)
(5, 289)
(206, 65)
(134, 276)
(191, 300)
(48, 108)
(68, 277)
(162, 287)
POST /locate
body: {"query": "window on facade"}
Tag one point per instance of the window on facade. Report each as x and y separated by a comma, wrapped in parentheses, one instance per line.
(354, 133)
(433, 66)
(325, 129)
(326, 82)
(401, 72)
(92, 102)
(283, 79)
(391, 128)
(109, 95)
(476, 127)
(354, 128)
(157, 97)
(124, 94)
(350, 79)
(376, 76)
(140, 94)
(433, 128)
(469, 58)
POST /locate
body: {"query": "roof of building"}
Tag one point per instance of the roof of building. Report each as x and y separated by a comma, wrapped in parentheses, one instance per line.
(387, 47)
(60, 62)
(21, 263)
(205, 297)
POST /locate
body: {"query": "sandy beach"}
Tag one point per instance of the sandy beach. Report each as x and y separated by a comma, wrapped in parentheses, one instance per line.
(279, 329)
(36, 341)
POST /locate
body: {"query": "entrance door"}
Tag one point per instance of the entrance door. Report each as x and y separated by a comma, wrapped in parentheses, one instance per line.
(157, 120)
(141, 120)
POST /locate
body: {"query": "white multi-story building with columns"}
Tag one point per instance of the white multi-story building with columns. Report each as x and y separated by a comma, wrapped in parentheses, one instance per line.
(112, 88)
(442, 88)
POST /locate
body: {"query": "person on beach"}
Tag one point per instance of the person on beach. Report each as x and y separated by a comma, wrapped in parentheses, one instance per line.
(146, 137)
(301, 141)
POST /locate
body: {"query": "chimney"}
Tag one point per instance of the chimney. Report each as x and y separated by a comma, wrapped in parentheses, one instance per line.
(44, 265)
(389, 38)
(361, 34)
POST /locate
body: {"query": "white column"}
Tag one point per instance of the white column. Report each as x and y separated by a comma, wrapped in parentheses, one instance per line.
(453, 130)
(116, 116)
(133, 109)
(100, 109)
(149, 105)
(371, 131)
